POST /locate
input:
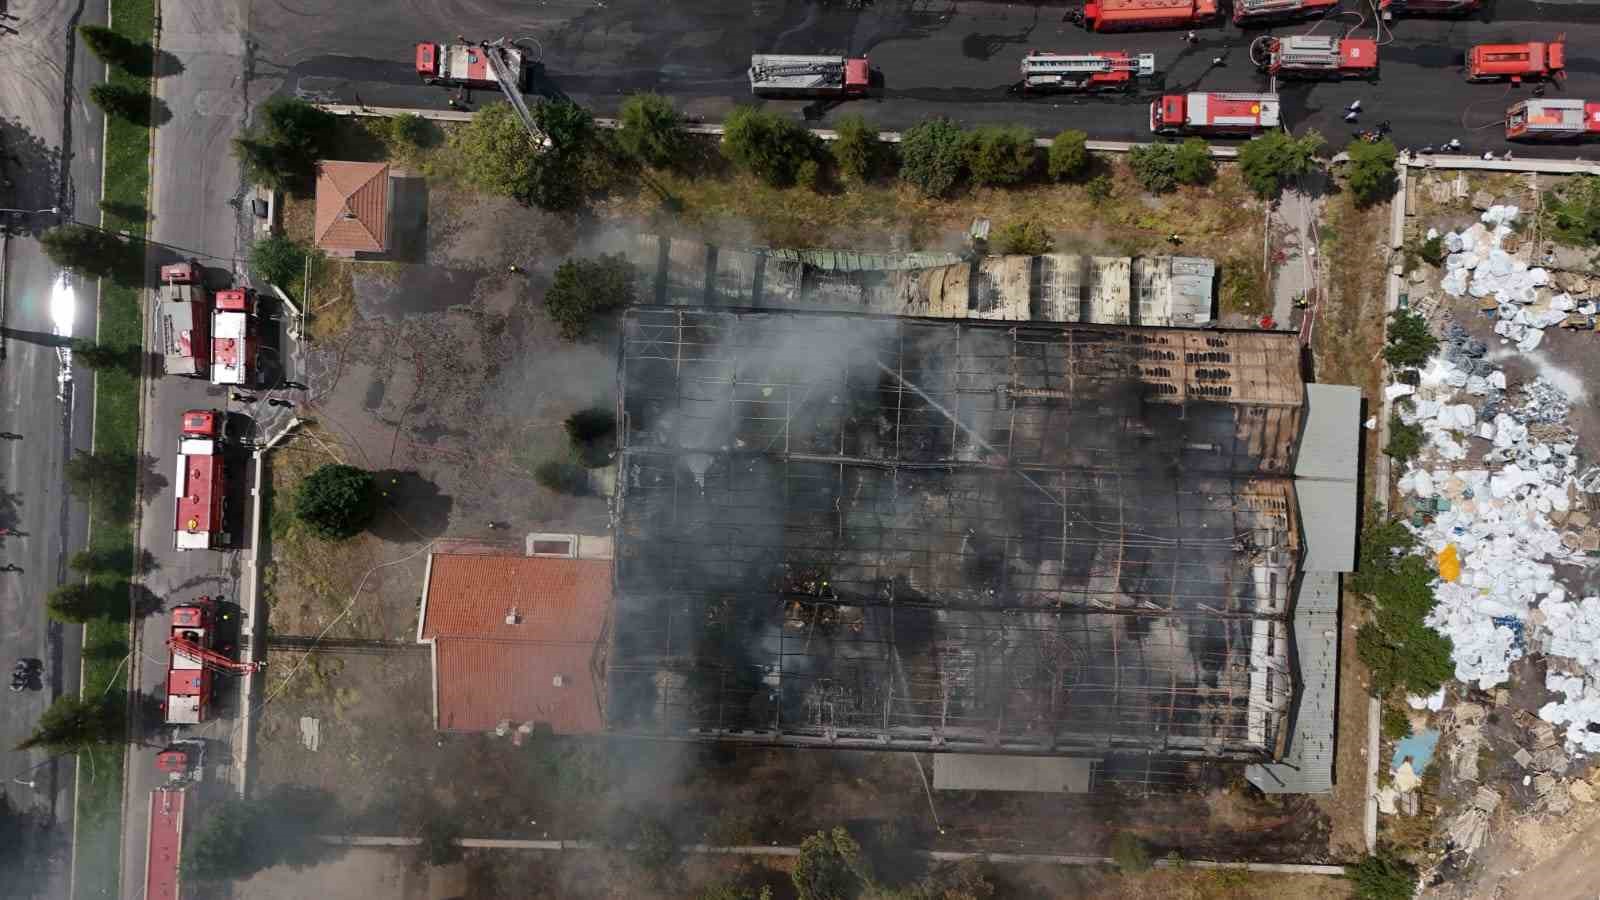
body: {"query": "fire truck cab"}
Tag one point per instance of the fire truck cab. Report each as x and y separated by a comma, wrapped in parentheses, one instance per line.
(1545, 119)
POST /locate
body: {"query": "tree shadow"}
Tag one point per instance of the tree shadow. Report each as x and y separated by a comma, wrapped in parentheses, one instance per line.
(30, 178)
(145, 602)
(164, 65)
(410, 507)
(409, 220)
(150, 477)
(147, 725)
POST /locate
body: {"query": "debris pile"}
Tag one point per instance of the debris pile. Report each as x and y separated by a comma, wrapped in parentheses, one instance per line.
(1479, 265)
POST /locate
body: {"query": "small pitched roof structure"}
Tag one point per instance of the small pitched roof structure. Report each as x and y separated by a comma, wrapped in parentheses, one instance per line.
(352, 206)
(516, 639)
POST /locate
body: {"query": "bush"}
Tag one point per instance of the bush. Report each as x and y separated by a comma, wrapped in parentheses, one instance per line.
(412, 131)
(1432, 250)
(1383, 876)
(1024, 238)
(1191, 162)
(593, 435)
(565, 171)
(1404, 440)
(1268, 161)
(856, 151)
(998, 156)
(822, 871)
(1396, 724)
(654, 846)
(441, 842)
(336, 501)
(1069, 156)
(495, 152)
(1100, 188)
(651, 131)
(282, 146)
(562, 477)
(1370, 171)
(1410, 343)
(279, 260)
(73, 724)
(1129, 853)
(931, 156)
(771, 147)
(1155, 167)
(585, 288)
(1571, 213)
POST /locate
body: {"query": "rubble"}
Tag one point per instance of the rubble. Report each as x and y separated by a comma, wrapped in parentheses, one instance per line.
(1470, 826)
(1480, 266)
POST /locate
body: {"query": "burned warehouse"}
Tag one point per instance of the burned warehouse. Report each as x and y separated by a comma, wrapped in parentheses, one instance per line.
(934, 535)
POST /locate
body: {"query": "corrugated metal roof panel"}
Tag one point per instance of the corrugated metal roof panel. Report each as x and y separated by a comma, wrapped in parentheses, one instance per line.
(1307, 766)
(977, 772)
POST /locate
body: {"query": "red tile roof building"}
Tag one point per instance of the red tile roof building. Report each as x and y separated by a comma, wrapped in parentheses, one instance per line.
(352, 207)
(515, 640)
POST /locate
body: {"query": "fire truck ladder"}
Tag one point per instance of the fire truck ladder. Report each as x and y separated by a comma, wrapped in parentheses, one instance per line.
(1091, 64)
(818, 68)
(211, 659)
(494, 54)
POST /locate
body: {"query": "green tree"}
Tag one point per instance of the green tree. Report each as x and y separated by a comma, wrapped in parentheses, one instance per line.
(78, 603)
(1129, 853)
(1100, 189)
(411, 131)
(856, 150)
(496, 154)
(1396, 725)
(441, 842)
(1571, 212)
(562, 477)
(651, 131)
(1370, 171)
(73, 724)
(1268, 161)
(105, 357)
(998, 156)
(122, 102)
(113, 49)
(1383, 876)
(771, 147)
(1024, 238)
(1384, 543)
(280, 260)
(285, 141)
(586, 288)
(336, 501)
(565, 172)
(592, 433)
(1404, 654)
(931, 156)
(1404, 440)
(105, 479)
(1191, 162)
(1069, 156)
(90, 251)
(239, 837)
(1410, 342)
(1155, 167)
(821, 872)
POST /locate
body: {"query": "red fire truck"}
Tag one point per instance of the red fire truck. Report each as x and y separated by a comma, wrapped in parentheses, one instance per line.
(1317, 56)
(1552, 120)
(1534, 61)
(193, 660)
(201, 485)
(1214, 114)
(1256, 12)
(183, 764)
(1109, 70)
(774, 75)
(183, 318)
(467, 65)
(233, 338)
(1131, 15)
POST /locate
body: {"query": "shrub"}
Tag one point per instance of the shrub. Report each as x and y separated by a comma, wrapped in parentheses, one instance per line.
(822, 871)
(1155, 167)
(585, 288)
(1383, 876)
(1404, 440)
(1025, 238)
(1571, 213)
(654, 846)
(1410, 343)
(279, 260)
(1191, 162)
(771, 147)
(495, 152)
(441, 842)
(1069, 156)
(1396, 724)
(931, 156)
(562, 477)
(997, 156)
(1100, 188)
(281, 147)
(1129, 853)
(1271, 159)
(1432, 250)
(651, 131)
(1370, 171)
(412, 131)
(336, 501)
(856, 151)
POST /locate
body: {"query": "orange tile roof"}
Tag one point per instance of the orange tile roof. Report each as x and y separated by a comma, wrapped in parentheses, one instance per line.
(352, 206)
(483, 683)
(488, 671)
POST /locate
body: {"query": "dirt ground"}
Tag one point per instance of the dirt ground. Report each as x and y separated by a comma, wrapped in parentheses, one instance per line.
(361, 873)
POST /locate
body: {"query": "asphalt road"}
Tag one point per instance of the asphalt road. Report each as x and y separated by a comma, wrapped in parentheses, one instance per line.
(52, 148)
(955, 59)
(193, 197)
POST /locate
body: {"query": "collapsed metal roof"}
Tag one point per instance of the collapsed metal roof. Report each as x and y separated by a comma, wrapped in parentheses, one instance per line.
(906, 533)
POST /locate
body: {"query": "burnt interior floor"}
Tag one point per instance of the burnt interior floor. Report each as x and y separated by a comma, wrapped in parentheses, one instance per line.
(935, 535)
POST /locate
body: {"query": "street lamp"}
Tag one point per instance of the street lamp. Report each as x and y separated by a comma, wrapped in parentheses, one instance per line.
(29, 782)
(54, 211)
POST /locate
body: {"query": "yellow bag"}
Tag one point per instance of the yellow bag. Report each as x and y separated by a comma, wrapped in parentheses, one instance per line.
(1449, 563)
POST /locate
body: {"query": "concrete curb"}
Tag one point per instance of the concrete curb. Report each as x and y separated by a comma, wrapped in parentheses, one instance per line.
(826, 134)
(936, 855)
